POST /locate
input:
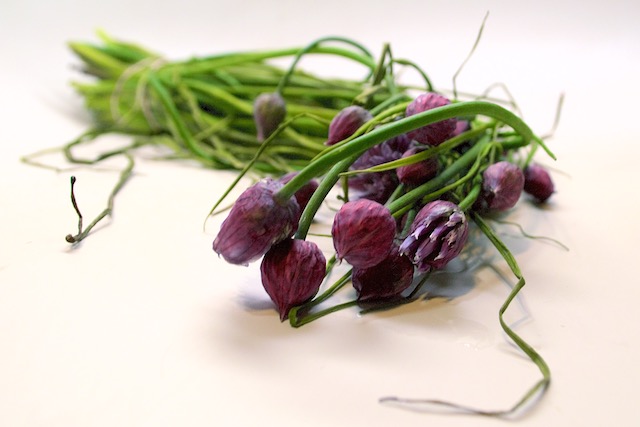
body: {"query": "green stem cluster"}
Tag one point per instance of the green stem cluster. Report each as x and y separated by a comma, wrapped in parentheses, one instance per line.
(205, 105)
(202, 108)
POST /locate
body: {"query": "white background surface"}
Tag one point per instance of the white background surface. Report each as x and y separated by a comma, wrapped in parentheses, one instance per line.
(144, 326)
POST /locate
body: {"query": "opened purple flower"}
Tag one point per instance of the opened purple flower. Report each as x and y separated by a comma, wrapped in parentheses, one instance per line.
(437, 235)
(502, 185)
(257, 221)
(269, 110)
(538, 183)
(385, 280)
(346, 123)
(363, 233)
(292, 272)
(435, 133)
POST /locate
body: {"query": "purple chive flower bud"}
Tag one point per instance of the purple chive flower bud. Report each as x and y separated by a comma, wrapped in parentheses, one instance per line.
(417, 173)
(257, 221)
(269, 110)
(437, 235)
(502, 185)
(385, 280)
(303, 195)
(538, 183)
(292, 273)
(378, 186)
(461, 127)
(435, 133)
(346, 122)
(363, 233)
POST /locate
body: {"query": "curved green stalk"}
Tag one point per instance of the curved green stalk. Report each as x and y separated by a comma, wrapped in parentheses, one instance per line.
(358, 145)
(427, 153)
(538, 388)
(205, 64)
(309, 48)
(125, 174)
(318, 197)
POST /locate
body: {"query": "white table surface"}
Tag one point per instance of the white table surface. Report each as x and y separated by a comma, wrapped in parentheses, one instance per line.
(143, 325)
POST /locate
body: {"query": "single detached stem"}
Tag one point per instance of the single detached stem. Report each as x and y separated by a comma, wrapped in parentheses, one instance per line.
(124, 177)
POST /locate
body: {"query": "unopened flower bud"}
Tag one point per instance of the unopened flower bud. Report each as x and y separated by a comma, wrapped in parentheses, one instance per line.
(435, 133)
(257, 221)
(303, 195)
(538, 183)
(346, 122)
(437, 235)
(417, 173)
(461, 127)
(502, 185)
(385, 280)
(292, 272)
(378, 186)
(363, 232)
(269, 110)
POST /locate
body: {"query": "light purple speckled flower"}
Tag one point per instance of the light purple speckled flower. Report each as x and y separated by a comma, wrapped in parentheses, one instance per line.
(437, 235)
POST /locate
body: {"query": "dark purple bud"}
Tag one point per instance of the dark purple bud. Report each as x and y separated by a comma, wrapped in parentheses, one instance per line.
(538, 183)
(392, 148)
(437, 235)
(502, 185)
(435, 133)
(257, 221)
(417, 173)
(292, 272)
(378, 186)
(303, 195)
(269, 110)
(363, 233)
(346, 122)
(385, 280)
